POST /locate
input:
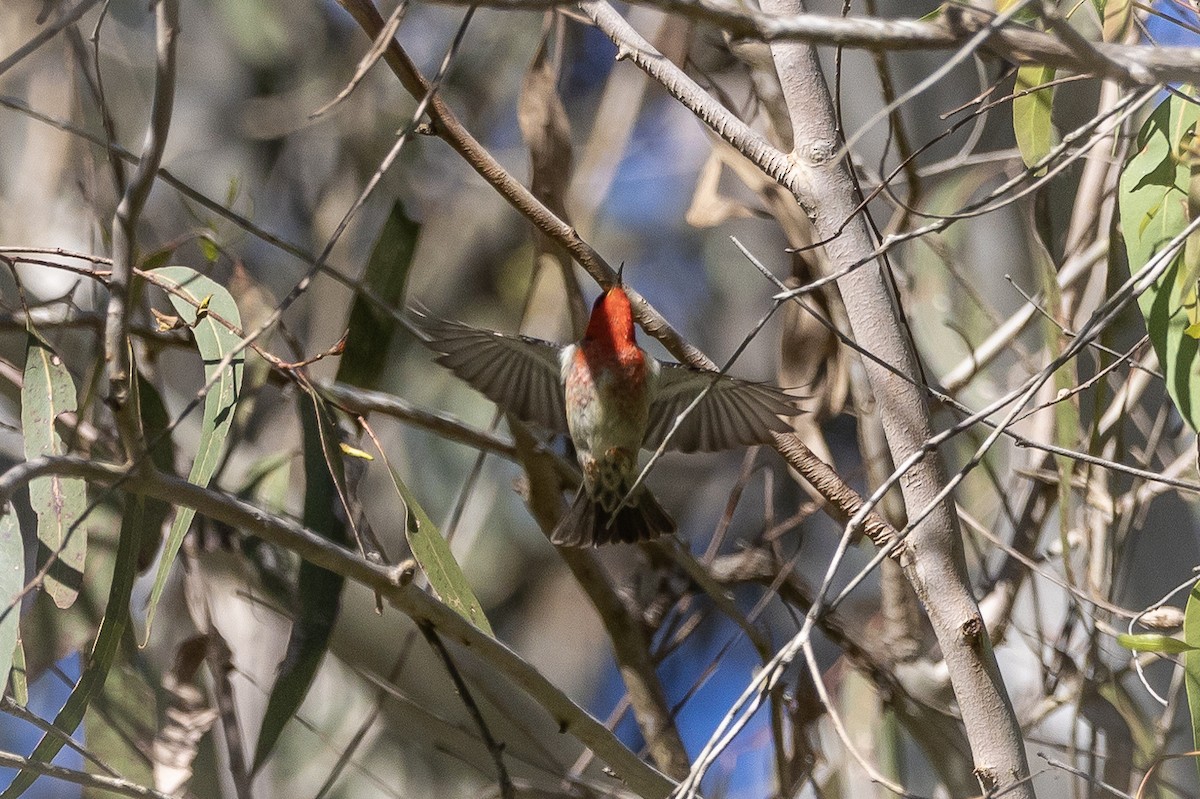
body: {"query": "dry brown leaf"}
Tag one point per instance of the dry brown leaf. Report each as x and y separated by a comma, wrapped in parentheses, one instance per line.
(709, 207)
(546, 129)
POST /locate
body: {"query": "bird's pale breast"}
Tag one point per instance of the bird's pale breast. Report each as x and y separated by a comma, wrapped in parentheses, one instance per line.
(608, 401)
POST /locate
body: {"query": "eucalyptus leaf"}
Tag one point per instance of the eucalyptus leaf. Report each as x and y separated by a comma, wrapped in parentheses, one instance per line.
(59, 502)
(104, 651)
(12, 581)
(433, 554)
(1191, 661)
(318, 589)
(1153, 199)
(1154, 642)
(120, 721)
(1032, 111)
(156, 425)
(371, 327)
(215, 341)
(18, 677)
(1117, 16)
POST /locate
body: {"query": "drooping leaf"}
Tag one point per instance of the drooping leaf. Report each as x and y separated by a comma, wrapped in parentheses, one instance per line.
(267, 479)
(104, 651)
(1153, 201)
(1117, 16)
(1032, 111)
(318, 589)
(1154, 642)
(121, 719)
(433, 554)
(266, 484)
(59, 502)
(62, 633)
(12, 580)
(1191, 660)
(371, 327)
(215, 342)
(1066, 411)
(156, 430)
(18, 679)
(1142, 732)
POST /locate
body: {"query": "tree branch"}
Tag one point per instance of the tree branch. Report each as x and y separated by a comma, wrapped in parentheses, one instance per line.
(957, 24)
(393, 583)
(823, 186)
(937, 567)
(116, 785)
(124, 228)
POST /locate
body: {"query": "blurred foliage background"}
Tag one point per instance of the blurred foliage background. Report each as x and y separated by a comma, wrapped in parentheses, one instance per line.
(650, 187)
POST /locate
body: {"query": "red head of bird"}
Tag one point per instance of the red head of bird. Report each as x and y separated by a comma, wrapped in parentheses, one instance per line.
(611, 324)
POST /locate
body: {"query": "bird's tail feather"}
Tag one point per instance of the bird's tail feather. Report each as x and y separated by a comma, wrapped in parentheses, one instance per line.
(586, 523)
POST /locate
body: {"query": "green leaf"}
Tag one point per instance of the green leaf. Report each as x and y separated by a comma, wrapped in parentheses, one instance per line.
(1154, 642)
(121, 716)
(53, 633)
(1117, 16)
(156, 424)
(108, 642)
(59, 502)
(1142, 731)
(1025, 14)
(209, 248)
(18, 677)
(371, 327)
(319, 590)
(215, 341)
(433, 554)
(1191, 660)
(1153, 201)
(267, 479)
(1032, 112)
(266, 484)
(12, 581)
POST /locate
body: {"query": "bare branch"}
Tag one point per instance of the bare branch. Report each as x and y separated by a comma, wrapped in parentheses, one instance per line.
(117, 785)
(46, 34)
(394, 584)
(124, 227)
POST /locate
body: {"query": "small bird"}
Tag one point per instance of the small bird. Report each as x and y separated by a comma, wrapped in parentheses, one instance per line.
(613, 400)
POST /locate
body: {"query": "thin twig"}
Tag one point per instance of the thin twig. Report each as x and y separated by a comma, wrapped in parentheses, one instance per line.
(394, 583)
(495, 748)
(125, 220)
(101, 782)
(46, 34)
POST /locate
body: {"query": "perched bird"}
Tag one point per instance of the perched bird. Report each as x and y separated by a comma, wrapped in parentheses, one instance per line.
(613, 399)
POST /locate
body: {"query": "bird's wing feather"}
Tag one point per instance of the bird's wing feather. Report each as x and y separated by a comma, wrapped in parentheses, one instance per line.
(519, 374)
(733, 413)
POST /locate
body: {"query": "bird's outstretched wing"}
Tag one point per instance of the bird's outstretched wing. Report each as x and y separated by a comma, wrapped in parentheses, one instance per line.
(519, 374)
(734, 413)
